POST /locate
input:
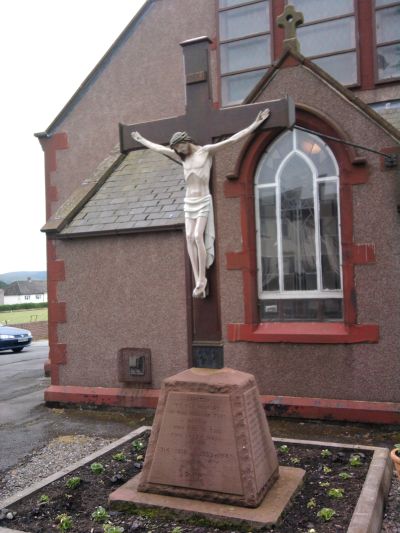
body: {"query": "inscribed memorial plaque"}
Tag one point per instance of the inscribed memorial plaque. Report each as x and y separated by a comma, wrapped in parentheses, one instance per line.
(196, 445)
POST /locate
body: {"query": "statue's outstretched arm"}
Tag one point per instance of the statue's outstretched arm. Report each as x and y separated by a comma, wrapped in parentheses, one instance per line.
(165, 150)
(242, 134)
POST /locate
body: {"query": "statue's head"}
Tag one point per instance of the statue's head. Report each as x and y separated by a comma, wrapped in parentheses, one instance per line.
(181, 142)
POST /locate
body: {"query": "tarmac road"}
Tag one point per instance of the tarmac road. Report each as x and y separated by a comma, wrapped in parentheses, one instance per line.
(27, 424)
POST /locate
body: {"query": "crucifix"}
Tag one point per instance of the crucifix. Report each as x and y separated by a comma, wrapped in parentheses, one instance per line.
(204, 123)
(290, 19)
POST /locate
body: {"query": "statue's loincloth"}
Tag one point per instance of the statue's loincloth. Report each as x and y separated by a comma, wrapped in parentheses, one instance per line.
(203, 207)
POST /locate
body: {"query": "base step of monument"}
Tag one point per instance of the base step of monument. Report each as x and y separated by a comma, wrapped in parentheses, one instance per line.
(267, 513)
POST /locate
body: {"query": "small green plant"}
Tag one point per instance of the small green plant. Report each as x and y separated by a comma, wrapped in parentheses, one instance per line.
(311, 503)
(176, 529)
(120, 456)
(64, 522)
(73, 482)
(295, 460)
(138, 445)
(355, 460)
(323, 483)
(44, 499)
(283, 448)
(345, 475)
(97, 468)
(326, 453)
(110, 528)
(326, 470)
(100, 515)
(336, 493)
(326, 513)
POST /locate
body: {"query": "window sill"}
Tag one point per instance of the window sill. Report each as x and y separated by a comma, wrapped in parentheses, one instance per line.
(304, 332)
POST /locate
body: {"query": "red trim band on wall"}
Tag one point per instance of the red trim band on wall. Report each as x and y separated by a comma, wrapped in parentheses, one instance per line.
(298, 407)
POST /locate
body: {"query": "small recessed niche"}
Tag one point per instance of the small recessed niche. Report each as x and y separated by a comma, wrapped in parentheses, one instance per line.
(134, 365)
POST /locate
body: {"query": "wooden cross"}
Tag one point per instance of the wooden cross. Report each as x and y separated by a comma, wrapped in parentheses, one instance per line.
(290, 19)
(202, 121)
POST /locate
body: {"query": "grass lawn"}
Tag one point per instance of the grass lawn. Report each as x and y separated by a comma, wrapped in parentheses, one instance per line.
(23, 316)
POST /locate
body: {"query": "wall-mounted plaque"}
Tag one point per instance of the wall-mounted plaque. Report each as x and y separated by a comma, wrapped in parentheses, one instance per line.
(134, 365)
(208, 355)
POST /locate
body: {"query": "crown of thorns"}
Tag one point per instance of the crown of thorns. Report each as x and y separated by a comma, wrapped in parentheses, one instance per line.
(180, 137)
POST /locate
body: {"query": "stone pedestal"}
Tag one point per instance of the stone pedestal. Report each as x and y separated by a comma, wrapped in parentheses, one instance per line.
(210, 440)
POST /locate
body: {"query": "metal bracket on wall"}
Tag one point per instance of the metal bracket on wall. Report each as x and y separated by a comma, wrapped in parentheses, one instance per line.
(390, 160)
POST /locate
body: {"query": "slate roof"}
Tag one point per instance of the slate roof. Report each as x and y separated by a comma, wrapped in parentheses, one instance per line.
(144, 191)
(21, 288)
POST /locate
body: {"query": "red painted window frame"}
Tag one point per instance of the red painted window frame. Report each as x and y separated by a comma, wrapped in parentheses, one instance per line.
(351, 174)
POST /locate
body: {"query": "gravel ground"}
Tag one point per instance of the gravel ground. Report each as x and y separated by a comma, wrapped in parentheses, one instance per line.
(59, 453)
(391, 521)
(64, 451)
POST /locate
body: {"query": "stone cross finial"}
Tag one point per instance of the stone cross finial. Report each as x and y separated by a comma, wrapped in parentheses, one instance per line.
(290, 19)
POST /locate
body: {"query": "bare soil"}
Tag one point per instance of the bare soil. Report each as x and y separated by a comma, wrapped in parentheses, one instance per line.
(322, 475)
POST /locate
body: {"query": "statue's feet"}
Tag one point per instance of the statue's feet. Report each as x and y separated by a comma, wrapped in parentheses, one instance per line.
(201, 289)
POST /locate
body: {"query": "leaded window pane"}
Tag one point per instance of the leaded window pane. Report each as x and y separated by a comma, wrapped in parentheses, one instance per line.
(245, 54)
(321, 9)
(270, 163)
(268, 239)
(342, 67)
(235, 88)
(316, 150)
(329, 229)
(388, 25)
(298, 237)
(327, 37)
(243, 21)
(388, 61)
(298, 226)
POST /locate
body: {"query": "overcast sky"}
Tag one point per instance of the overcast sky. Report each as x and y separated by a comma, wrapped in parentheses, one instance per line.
(48, 48)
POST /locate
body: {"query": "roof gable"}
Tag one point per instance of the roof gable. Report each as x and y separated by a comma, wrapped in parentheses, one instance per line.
(291, 59)
(20, 288)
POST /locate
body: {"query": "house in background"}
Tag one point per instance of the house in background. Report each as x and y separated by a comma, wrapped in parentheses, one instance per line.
(23, 292)
(304, 290)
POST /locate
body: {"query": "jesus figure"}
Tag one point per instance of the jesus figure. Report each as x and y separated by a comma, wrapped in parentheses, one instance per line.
(198, 207)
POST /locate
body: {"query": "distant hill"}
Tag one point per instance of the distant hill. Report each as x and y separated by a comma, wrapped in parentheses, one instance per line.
(2, 284)
(9, 277)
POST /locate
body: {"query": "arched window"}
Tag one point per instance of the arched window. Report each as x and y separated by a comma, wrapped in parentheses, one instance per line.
(298, 231)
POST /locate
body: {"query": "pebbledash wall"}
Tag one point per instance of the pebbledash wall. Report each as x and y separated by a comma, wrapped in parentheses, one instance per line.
(133, 313)
(131, 272)
(308, 368)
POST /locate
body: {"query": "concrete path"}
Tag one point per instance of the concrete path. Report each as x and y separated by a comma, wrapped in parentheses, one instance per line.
(27, 424)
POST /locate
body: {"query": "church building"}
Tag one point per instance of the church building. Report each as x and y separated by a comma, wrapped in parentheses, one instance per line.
(304, 289)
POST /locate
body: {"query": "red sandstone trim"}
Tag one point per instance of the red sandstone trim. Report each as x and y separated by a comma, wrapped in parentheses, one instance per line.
(113, 396)
(351, 174)
(303, 332)
(55, 269)
(345, 410)
(58, 141)
(298, 407)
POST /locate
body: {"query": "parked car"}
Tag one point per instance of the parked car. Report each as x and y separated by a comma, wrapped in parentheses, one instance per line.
(14, 339)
